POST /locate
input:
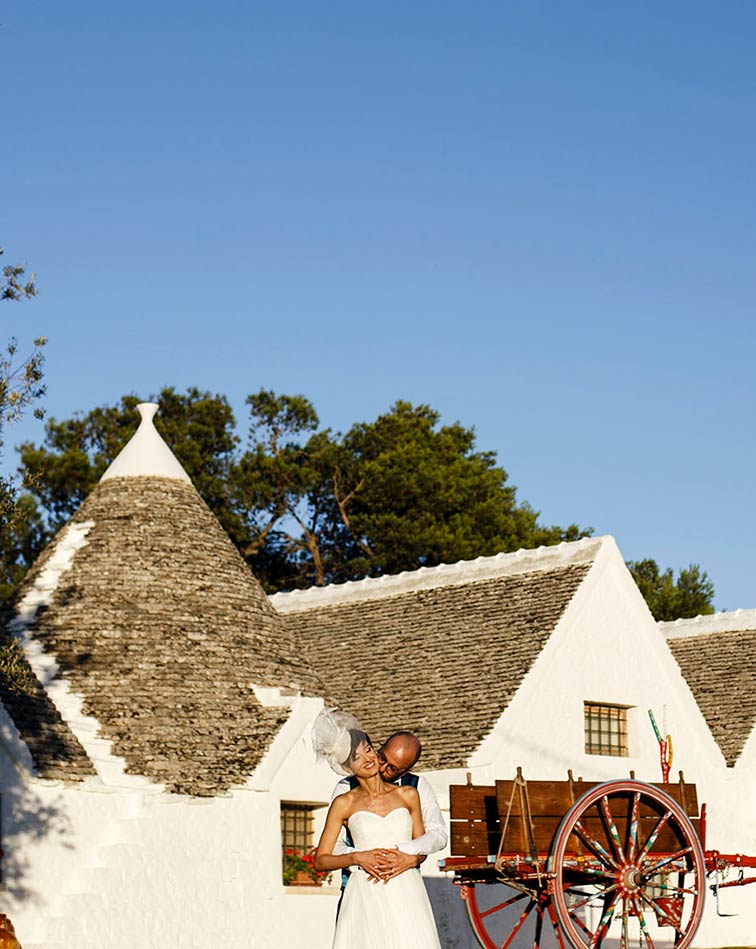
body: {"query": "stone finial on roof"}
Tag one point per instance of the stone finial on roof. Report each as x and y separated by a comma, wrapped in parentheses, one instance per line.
(146, 453)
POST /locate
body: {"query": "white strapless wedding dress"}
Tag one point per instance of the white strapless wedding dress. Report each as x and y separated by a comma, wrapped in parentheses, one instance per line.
(393, 915)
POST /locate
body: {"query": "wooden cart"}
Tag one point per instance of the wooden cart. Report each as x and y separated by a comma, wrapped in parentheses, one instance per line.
(582, 865)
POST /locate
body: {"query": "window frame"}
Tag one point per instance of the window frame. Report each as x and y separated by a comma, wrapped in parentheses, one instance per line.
(298, 825)
(606, 731)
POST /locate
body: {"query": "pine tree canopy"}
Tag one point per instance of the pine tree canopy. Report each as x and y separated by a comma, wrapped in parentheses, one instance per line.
(306, 505)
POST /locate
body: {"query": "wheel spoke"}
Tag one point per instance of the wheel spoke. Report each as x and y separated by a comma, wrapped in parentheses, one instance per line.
(493, 925)
(691, 902)
(504, 905)
(612, 827)
(673, 857)
(581, 924)
(662, 912)
(606, 920)
(518, 925)
(596, 847)
(589, 897)
(676, 890)
(658, 827)
(624, 941)
(633, 832)
(641, 917)
(539, 927)
(589, 871)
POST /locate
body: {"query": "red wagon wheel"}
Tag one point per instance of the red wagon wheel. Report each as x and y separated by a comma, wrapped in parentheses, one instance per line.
(502, 917)
(628, 867)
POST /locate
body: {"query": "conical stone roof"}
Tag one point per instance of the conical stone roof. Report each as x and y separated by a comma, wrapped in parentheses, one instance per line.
(159, 624)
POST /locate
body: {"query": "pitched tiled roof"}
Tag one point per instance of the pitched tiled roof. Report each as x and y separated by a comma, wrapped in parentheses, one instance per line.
(158, 623)
(442, 651)
(55, 750)
(717, 656)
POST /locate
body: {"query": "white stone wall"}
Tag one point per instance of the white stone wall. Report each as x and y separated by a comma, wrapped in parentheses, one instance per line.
(123, 864)
(607, 648)
(99, 866)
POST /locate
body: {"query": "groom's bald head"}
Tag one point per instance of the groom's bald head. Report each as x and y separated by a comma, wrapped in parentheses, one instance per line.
(398, 754)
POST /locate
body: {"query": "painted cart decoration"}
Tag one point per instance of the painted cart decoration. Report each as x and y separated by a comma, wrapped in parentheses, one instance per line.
(575, 864)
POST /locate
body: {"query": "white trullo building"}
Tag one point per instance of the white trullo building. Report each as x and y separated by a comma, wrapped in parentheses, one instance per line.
(159, 762)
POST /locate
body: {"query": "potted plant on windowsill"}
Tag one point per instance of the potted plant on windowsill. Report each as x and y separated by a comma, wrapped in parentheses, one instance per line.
(299, 869)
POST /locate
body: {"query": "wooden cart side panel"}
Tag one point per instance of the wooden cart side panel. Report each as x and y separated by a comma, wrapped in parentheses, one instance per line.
(686, 795)
(480, 813)
(546, 798)
(555, 798)
(474, 827)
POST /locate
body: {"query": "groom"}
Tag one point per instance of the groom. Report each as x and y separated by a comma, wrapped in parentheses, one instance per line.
(396, 756)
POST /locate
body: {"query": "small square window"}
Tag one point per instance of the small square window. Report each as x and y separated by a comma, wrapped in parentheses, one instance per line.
(296, 827)
(605, 729)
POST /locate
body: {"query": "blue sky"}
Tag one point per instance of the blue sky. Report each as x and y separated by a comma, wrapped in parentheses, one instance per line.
(537, 217)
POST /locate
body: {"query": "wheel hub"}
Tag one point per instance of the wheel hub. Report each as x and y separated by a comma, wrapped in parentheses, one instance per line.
(630, 878)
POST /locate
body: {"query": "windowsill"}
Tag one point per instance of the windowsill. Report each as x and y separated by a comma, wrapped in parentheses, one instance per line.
(606, 754)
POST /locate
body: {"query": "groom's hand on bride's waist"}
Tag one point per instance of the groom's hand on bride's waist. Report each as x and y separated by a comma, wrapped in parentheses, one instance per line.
(382, 864)
(376, 863)
(399, 862)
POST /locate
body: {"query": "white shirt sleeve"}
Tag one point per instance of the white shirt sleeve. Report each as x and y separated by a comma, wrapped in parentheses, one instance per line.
(435, 836)
(340, 847)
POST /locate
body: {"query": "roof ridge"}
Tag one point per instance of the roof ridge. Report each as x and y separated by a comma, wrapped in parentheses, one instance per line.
(524, 560)
(721, 622)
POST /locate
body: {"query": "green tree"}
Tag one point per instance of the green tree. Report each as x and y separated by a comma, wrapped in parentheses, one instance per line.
(15, 285)
(411, 492)
(390, 495)
(21, 389)
(23, 536)
(691, 594)
(305, 505)
(283, 487)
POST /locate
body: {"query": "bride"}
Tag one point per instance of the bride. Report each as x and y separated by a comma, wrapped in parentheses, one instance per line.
(395, 913)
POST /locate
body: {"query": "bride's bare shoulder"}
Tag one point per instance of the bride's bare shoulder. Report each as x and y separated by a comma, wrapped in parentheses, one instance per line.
(342, 804)
(408, 794)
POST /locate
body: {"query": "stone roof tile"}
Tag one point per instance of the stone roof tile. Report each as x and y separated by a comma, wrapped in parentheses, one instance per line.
(443, 661)
(158, 623)
(720, 668)
(55, 750)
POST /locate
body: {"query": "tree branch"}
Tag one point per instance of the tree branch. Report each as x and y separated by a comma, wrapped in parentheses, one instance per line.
(250, 549)
(341, 503)
(311, 544)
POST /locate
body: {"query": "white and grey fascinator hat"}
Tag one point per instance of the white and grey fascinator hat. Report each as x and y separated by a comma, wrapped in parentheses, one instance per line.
(332, 738)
